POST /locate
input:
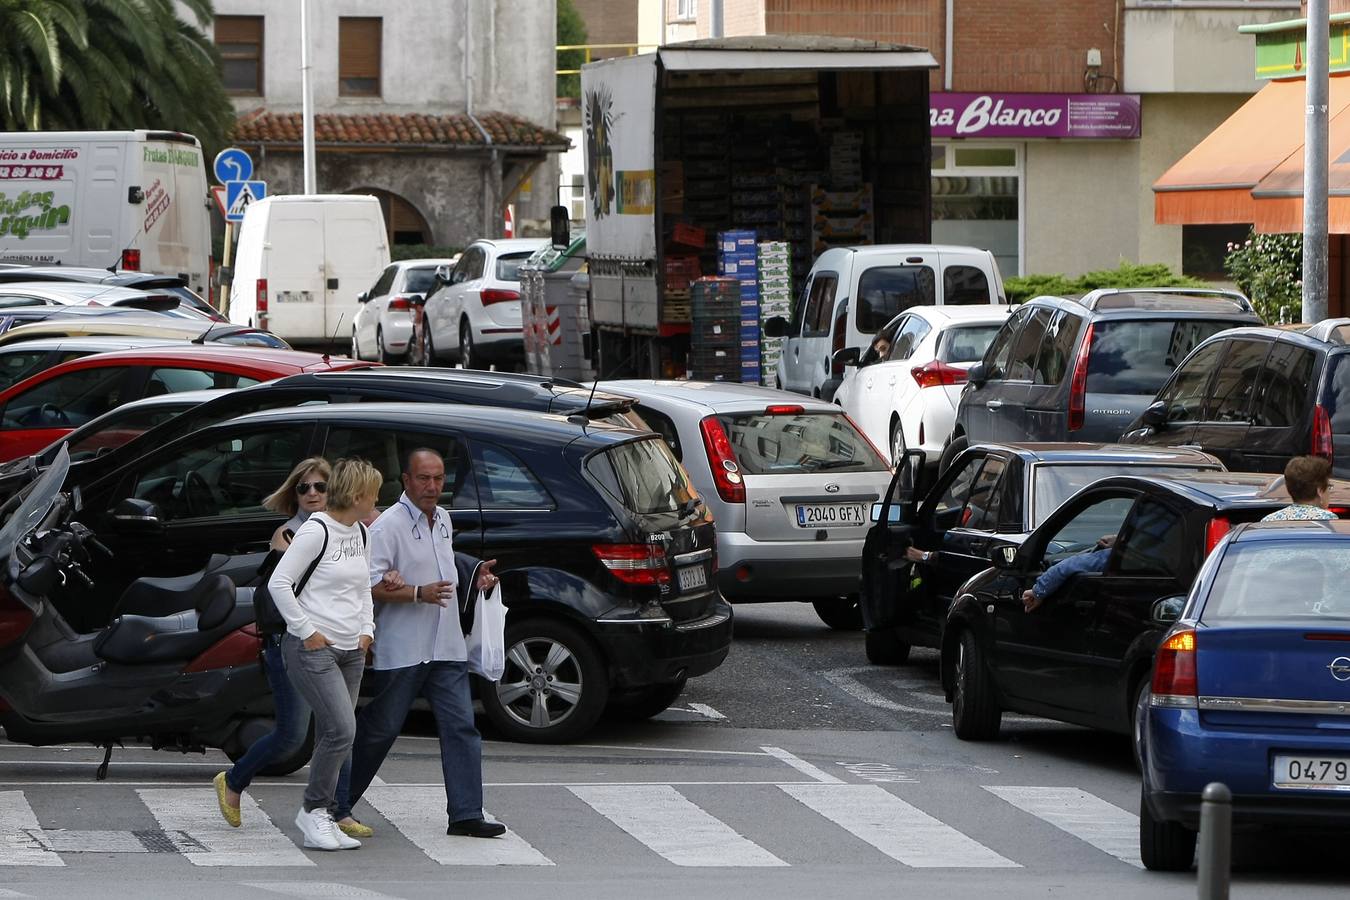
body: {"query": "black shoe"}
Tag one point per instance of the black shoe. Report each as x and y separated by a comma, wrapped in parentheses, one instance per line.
(479, 828)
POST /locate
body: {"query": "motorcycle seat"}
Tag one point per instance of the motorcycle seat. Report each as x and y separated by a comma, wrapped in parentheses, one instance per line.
(155, 597)
(178, 637)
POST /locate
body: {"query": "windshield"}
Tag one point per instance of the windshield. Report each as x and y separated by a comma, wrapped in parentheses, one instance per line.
(644, 476)
(508, 266)
(1294, 579)
(1056, 483)
(35, 504)
(1136, 357)
(796, 444)
(967, 343)
(421, 280)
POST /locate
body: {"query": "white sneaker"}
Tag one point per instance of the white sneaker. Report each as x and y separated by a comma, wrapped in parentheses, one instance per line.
(345, 841)
(318, 829)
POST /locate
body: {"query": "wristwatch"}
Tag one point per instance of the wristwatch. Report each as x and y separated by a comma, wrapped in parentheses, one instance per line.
(927, 555)
(417, 589)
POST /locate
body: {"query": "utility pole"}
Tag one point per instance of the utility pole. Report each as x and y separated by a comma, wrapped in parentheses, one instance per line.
(718, 28)
(307, 102)
(1315, 166)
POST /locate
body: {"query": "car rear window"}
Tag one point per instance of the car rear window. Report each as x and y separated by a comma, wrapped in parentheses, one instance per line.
(1281, 580)
(420, 280)
(795, 444)
(886, 291)
(1136, 357)
(644, 476)
(508, 266)
(1338, 393)
(1056, 483)
(967, 343)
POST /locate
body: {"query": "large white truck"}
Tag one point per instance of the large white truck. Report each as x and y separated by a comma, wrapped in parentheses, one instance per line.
(814, 141)
(132, 199)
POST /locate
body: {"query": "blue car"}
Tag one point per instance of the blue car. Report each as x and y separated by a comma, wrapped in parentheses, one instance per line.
(1251, 688)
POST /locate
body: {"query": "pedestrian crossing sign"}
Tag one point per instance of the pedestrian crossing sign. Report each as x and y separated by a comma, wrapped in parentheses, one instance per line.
(239, 194)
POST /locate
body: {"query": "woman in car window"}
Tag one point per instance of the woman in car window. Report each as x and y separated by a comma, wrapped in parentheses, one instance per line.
(879, 349)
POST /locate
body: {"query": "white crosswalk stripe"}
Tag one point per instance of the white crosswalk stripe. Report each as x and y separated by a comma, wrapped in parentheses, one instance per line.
(1085, 816)
(417, 814)
(899, 830)
(669, 824)
(194, 811)
(17, 847)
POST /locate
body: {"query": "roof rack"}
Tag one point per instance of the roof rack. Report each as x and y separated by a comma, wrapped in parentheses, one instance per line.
(1092, 298)
(1329, 330)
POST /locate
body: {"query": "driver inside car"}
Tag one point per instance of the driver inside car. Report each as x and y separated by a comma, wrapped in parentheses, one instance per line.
(1088, 562)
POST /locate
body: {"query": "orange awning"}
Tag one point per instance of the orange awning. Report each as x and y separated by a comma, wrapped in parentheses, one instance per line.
(1250, 168)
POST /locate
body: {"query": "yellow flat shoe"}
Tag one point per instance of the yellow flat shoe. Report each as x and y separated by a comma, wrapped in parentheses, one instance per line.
(230, 813)
(355, 829)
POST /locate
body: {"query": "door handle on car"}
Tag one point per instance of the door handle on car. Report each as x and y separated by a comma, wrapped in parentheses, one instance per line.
(993, 404)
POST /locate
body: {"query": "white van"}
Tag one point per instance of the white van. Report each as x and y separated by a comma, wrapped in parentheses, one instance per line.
(301, 262)
(852, 292)
(135, 199)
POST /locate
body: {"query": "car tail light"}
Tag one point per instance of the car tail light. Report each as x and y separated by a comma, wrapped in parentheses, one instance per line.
(1340, 511)
(1215, 530)
(15, 618)
(131, 260)
(400, 301)
(634, 563)
(1321, 433)
(1175, 682)
(496, 295)
(840, 336)
(722, 460)
(260, 306)
(1078, 386)
(938, 373)
(784, 409)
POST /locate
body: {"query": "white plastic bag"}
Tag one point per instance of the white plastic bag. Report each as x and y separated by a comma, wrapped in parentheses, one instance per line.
(486, 641)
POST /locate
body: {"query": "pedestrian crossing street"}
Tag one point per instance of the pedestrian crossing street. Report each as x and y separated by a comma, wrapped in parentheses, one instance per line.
(662, 822)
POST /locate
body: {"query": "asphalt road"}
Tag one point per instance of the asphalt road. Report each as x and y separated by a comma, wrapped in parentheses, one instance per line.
(795, 770)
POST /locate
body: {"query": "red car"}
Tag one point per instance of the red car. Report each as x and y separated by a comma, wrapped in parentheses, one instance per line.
(54, 402)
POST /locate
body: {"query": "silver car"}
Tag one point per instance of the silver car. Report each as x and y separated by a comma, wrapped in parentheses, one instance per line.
(790, 481)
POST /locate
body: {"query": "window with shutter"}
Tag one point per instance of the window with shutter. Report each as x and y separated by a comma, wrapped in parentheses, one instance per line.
(359, 56)
(240, 42)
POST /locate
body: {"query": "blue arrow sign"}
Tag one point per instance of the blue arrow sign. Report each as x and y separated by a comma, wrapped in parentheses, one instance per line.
(232, 164)
(238, 196)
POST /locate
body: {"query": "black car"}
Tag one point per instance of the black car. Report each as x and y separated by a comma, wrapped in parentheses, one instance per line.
(1085, 654)
(990, 491)
(1257, 397)
(1081, 369)
(605, 554)
(529, 392)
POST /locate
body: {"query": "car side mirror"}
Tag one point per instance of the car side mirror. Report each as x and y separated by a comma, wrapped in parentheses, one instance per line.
(775, 327)
(977, 374)
(1004, 556)
(560, 228)
(1167, 610)
(363, 297)
(40, 577)
(848, 356)
(1156, 415)
(443, 274)
(138, 516)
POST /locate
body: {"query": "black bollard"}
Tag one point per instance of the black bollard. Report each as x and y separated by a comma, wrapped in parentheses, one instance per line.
(1216, 842)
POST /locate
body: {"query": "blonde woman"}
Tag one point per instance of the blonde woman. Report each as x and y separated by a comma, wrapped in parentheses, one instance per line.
(328, 630)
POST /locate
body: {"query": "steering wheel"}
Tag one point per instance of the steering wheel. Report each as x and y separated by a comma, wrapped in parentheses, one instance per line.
(198, 497)
(45, 415)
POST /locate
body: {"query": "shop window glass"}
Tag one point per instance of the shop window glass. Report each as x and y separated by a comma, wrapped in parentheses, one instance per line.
(1205, 247)
(985, 157)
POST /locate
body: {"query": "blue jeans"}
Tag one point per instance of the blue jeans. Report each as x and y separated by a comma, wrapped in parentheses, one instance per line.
(445, 685)
(290, 731)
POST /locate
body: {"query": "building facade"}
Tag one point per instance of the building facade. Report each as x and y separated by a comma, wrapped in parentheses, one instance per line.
(444, 109)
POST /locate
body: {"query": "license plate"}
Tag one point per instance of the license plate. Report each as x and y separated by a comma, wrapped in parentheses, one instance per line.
(1319, 773)
(830, 515)
(692, 577)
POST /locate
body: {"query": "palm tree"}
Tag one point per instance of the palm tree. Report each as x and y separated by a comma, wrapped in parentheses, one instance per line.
(108, 64)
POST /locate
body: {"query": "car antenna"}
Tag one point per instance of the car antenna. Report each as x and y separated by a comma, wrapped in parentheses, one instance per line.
(333, 339)
(200, 339)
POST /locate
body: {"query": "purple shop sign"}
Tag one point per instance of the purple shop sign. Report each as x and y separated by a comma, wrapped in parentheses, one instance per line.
(1035, 115)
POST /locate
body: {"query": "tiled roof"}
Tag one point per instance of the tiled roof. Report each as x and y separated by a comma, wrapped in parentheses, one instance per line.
(263, 127)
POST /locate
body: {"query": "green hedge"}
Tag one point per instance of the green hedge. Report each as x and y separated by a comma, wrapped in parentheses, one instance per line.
(1128, 275)
(421, 251)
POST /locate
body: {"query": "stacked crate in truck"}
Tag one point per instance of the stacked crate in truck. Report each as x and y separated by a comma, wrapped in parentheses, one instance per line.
(715, 336)
(738, 258)
(775, 299)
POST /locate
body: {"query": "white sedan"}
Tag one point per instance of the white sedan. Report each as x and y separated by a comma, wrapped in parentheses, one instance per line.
(908, 399)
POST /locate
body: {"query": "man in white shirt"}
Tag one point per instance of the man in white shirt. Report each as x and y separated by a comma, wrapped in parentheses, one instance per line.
(421, 650)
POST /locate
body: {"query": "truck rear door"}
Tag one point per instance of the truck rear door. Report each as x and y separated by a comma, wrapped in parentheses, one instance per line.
(356, 253)
(292, 266)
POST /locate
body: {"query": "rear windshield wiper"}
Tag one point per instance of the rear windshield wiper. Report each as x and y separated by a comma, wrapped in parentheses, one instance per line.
(840, 464)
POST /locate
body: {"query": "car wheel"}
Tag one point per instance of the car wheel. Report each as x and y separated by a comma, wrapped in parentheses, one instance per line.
(884, 648)
(897, 442)
(429, 355)
(840, 613)
(356, 347)
(1139, 713)
(646, 702)
(555, 686)
(954, 448)
(1164, 846)
(251, 730)
(382, 354)
(975, 712)
(468, 359)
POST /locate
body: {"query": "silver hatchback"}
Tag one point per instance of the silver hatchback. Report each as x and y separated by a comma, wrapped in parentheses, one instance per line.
(790, 481)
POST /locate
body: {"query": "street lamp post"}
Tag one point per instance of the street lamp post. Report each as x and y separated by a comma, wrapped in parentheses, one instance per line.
(306, 102)
(1315, 166)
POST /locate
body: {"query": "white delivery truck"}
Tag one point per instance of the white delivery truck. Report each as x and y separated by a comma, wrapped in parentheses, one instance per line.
(301, 261)
(135, 199)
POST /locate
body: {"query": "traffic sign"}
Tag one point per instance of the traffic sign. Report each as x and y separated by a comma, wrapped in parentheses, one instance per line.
(239, 194)
(218, 194)
(232, 164)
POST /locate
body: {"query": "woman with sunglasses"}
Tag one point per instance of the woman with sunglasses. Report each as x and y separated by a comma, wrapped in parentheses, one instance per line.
(305, 491)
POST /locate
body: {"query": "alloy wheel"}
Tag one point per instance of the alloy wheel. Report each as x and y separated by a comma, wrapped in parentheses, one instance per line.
(542, 684)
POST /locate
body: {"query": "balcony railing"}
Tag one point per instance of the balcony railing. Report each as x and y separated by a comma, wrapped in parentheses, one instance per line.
(587, 51)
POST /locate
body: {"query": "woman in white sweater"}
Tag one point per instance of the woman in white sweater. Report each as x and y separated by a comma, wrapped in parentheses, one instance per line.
(328, 628)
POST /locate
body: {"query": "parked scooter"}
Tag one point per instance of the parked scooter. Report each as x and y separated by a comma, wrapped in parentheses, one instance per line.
(178, 682)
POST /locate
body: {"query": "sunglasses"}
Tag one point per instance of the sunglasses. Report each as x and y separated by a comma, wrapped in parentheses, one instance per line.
(302, 487)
